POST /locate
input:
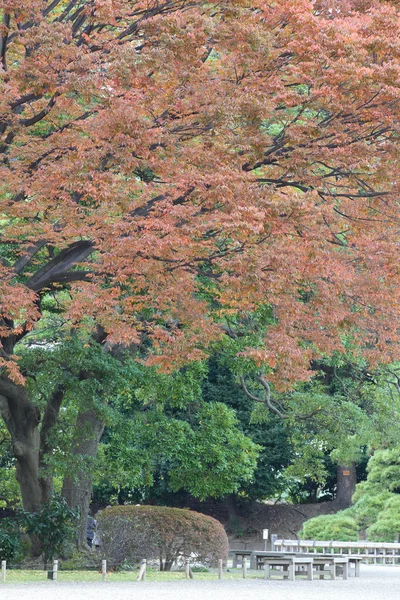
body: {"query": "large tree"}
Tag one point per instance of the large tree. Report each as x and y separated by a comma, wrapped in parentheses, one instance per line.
(167, 164)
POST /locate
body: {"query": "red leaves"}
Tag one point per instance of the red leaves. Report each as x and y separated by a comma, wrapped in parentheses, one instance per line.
(211, 152)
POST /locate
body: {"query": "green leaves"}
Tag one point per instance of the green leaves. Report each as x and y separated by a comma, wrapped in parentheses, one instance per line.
(54, 526)
(206, 456)
(218, 457)
(376, 506)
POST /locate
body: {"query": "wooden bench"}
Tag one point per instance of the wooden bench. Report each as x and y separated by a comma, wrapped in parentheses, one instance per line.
(355, 562)
(290, 565)
(332, 565)
(239, 555)
(259, 556)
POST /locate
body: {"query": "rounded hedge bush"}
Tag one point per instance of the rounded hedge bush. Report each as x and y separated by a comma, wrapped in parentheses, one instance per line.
(130, 533)
(342, 527)
(387, 526)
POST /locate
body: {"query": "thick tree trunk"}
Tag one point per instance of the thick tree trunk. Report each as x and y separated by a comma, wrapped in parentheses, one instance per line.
(22, 420)
(346, 484)
(77, 488)
(232, 508)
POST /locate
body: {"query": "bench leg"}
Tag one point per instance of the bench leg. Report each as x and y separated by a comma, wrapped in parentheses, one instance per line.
(345, 570)
(319, 571)
(234, 562)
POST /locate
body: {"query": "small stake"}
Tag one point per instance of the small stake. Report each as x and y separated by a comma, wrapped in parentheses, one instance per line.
(142, 571)
(244, 567)
(220, 568)
(104, 570)
(55, 570)
(3, 570)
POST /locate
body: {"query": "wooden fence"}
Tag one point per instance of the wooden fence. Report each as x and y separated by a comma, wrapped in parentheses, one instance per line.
(53, 573)
(371, 552)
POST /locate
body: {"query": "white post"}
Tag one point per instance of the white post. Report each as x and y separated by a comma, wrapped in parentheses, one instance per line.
(3, 570)
(104, 570)
(220, 568)
(142, 571)
(244, 567)
(265, 538)
(55, 570)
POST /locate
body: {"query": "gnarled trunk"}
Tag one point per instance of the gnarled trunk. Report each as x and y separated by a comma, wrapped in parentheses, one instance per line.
(30, 446)
(22, 420)
(77, 488)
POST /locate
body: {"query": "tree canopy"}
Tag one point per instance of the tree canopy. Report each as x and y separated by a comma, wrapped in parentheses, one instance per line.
(156, 155)
(169, 168)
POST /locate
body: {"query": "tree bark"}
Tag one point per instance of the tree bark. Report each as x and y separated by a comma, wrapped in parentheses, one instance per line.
(232, 508)
(22, 420)
(77, 489)
(346, 485)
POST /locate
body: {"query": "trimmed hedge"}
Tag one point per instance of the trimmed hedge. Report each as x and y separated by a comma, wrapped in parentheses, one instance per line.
(130, 533)
(376, 509)
(387, 526)
(341, 527)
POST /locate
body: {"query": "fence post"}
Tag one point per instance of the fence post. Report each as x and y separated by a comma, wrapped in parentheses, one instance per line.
(188, 570)
(220, 568)
(55, 570)
(142, 571)
(3, 570)
(244, 567)
(104, 570)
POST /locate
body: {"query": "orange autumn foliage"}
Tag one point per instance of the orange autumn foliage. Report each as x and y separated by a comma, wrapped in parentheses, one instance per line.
(148, 147)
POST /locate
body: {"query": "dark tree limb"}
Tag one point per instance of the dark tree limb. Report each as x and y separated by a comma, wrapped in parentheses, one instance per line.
(58, 269)
(25, 259)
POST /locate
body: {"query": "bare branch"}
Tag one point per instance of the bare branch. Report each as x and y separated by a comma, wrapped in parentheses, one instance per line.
(266, 400)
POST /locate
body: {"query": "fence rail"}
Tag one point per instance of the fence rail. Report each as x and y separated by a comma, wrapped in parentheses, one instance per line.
(374, 552)
(52, 573)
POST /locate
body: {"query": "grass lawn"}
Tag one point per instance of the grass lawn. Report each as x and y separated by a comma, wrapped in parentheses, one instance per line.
(25, 576)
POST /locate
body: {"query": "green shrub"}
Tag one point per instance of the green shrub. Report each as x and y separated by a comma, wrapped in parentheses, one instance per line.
(130, 533)
(341, 527)
(53, 526)
(81, 560)
(10, 541)
(387, 526)
(369, 507)
(376, 507)
(384, 471)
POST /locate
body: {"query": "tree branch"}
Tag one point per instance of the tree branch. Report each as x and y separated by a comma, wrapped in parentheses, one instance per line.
(21, 263)
(266, 400)
(58, 269)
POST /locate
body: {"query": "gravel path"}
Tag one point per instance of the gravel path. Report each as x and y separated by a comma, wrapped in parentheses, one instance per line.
(375, 583)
